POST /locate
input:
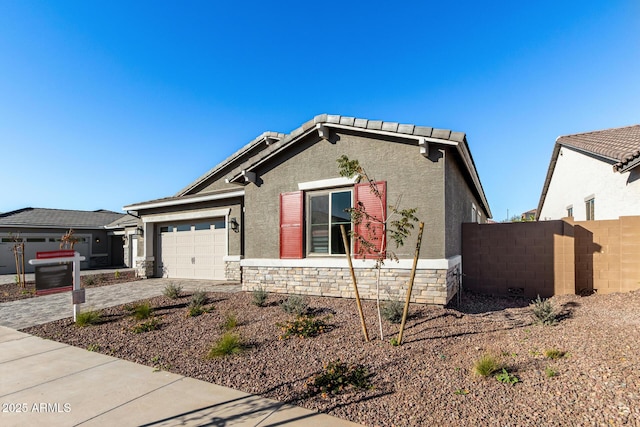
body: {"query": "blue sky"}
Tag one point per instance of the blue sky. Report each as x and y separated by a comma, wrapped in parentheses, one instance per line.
(104, 104)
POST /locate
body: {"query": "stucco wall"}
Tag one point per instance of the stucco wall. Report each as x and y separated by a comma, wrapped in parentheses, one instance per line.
(458, 201)
(577, 176)
(419, 181)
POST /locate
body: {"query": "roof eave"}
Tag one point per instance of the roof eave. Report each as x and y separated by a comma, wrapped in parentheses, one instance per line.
(184, 201)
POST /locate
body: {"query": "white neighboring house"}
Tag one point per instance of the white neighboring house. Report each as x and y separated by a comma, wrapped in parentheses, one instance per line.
(593, 175)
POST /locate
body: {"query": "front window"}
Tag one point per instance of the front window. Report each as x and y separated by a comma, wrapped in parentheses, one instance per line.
(570, 211)
(590, 207)
(326, 212)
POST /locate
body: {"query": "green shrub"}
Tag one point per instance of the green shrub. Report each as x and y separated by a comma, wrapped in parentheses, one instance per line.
(141, 310)
(543, 311)
(88, 281)
(116, 275)
(93, 347)
(303, 327)
(196, 303)
(507, 378)
(172, 291)
(199, 297)
(337, 377)
(230, 322)
(550, 372)
(86, 318)
(295, 304)
(150, 325)
(392, 311)
(554, 353)
(195, 310)
(486, 365)
(260, 296)
(226, 345)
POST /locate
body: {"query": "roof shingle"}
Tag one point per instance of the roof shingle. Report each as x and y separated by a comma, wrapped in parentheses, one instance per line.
(59, 218)
(619, 144)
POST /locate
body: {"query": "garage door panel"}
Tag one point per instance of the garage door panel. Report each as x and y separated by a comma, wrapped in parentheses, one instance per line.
(196, 252)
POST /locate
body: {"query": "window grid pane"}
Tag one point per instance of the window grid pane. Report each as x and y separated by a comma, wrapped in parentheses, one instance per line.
(327, 213)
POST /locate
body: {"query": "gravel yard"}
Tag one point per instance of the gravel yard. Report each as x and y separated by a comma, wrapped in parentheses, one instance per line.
(429, 380)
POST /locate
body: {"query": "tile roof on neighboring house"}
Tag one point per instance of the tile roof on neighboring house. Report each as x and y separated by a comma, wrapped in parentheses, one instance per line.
(58, 218)
(618, 144)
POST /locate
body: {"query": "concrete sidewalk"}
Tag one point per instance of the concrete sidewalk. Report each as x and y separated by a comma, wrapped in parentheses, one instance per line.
(44, 382)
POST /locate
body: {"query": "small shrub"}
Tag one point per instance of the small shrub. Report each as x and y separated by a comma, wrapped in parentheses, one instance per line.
(337, 377)
(461, 392)
(172, 291)
(230, 322)
(392, 311)
(89, 281)
(554, 353)
(226, 345)
(394, 342)
(116, 275)
(486, 365)
(199, 297)
(507, 378)
(543, 311)
(550, 372)
(196, 303)
(302, 327)
(93, 347)
(260, 296)
(140, 311)
(295, 304)
(86, 318)
(194, 310)
(150, 325)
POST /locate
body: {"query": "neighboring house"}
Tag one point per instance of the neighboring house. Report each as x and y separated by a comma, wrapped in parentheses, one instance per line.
(100, 239)
(269, 215)
(593, 175)
(529, 215)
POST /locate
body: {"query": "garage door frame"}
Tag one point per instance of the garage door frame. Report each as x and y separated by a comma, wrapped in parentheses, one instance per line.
(151, 222)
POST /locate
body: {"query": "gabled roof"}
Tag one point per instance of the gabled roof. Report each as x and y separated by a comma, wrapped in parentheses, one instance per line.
(185, 199)
(58, 218)
(260, 143)
(618, 146)
(239, 166)
(421, 134)
(621, 145)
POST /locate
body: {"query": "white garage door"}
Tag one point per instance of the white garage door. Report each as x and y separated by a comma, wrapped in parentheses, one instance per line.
(192, 250)
(37, 243)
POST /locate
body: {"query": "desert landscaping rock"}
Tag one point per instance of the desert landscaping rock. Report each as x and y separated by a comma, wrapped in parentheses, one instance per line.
(426, 381)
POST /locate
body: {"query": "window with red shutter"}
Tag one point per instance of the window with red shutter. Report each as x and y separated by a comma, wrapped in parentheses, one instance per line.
(291, 217)
(375, 207)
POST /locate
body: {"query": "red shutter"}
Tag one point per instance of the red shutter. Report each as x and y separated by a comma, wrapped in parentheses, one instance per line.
(291, 225)
(374, 207)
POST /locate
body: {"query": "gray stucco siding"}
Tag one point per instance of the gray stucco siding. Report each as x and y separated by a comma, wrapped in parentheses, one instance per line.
(417, 180)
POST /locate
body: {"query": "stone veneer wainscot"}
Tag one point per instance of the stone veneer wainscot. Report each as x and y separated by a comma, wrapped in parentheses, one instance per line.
(431, 286)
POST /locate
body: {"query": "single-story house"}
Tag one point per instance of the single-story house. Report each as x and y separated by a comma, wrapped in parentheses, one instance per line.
(99, 233)
(269, 214)
(593, 175)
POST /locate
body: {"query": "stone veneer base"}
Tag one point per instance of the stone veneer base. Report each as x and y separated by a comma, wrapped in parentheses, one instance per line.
(431, 286)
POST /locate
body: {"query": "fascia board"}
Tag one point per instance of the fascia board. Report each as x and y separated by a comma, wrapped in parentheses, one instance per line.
(185, 201)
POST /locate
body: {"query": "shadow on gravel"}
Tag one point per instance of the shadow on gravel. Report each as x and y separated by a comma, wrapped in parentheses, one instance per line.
(566, 311)
(459, 334)
(474, 303)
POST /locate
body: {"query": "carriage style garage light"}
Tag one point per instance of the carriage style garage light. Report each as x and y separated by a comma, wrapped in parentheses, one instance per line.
(233, 223)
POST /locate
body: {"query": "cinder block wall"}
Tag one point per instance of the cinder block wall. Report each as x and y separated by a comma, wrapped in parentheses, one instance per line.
(552, 257)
